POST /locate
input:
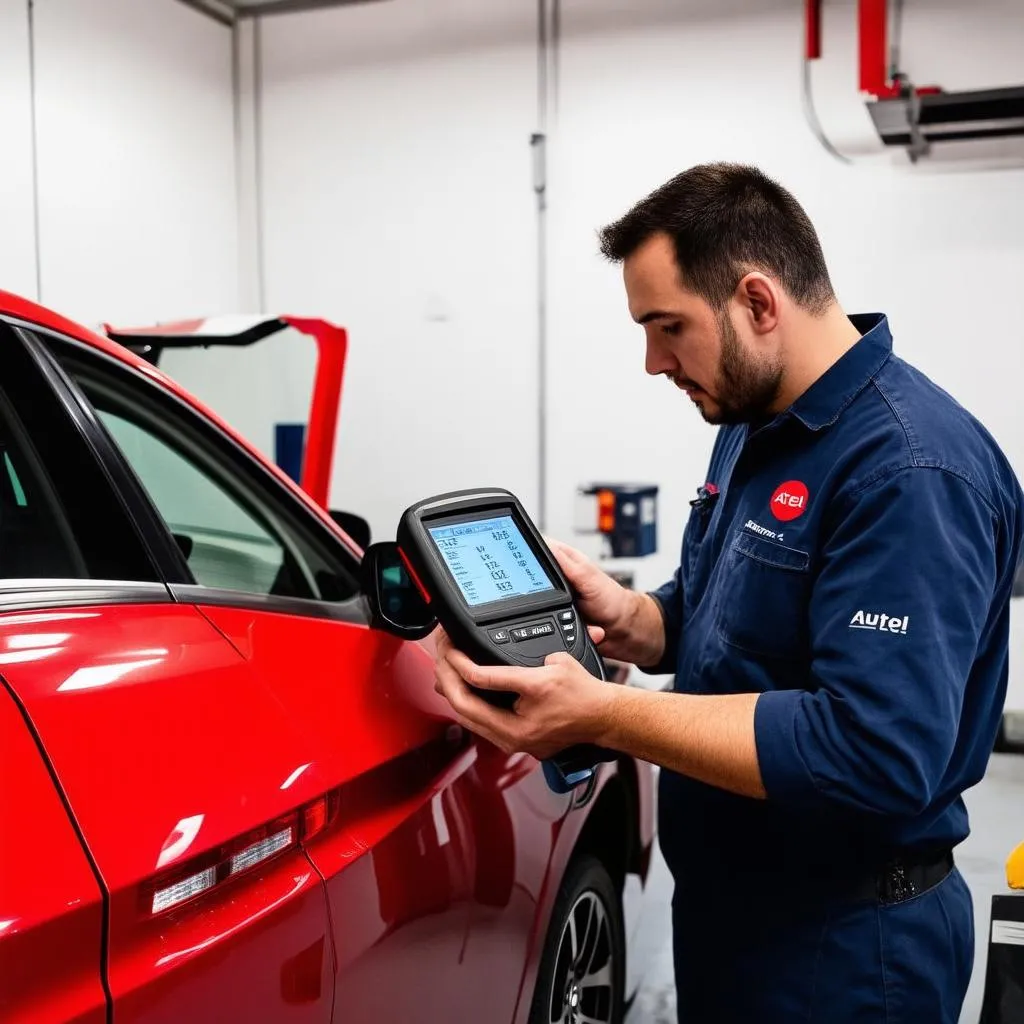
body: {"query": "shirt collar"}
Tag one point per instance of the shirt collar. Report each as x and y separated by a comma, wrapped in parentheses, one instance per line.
(824, 401)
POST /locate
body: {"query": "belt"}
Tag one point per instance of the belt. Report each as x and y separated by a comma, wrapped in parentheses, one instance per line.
(904, 876)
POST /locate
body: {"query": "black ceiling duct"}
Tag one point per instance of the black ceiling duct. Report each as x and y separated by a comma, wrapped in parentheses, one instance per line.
(949, 116)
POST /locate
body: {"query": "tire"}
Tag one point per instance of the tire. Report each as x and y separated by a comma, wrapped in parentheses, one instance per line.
(589, 986)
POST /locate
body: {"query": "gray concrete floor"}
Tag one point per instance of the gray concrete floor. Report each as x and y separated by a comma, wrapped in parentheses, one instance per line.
(996, 807)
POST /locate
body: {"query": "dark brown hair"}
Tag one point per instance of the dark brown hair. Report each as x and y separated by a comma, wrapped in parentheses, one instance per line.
(726, 220)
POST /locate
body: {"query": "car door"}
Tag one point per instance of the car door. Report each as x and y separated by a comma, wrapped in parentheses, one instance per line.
(144, 713)
(433, 847)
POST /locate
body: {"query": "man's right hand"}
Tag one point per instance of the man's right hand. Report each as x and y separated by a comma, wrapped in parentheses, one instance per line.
(631, 622)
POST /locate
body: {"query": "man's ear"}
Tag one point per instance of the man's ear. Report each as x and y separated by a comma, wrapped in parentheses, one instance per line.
(760, 298)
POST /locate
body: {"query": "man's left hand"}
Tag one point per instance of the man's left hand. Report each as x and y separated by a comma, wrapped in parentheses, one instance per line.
(560, 703)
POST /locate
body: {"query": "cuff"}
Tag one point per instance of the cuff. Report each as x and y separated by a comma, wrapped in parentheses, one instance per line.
(667, 663)
(783, 771)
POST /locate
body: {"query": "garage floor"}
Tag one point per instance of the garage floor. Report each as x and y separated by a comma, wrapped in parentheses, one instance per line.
(997, 824)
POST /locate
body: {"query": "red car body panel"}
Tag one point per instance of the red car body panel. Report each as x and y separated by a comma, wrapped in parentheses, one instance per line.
(177, 730)
(50, 934)
(148, 716)
(443, 829)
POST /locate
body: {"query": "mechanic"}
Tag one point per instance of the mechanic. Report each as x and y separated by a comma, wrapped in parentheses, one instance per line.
(837, 628)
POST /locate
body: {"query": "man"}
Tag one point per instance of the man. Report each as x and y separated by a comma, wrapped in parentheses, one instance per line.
(838, 630)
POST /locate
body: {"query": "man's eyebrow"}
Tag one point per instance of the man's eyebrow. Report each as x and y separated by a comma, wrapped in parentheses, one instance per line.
(656, 314)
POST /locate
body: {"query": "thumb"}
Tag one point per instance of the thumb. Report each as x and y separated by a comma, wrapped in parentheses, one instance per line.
(597, 634)
(560, 658)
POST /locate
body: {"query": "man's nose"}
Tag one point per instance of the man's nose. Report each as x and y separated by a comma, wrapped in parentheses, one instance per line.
(658, 360)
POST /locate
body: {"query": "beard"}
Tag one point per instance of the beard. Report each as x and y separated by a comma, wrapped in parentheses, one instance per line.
(746, 387)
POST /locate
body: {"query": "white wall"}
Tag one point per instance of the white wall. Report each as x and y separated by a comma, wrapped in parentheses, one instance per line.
(398, 202)
(17, 239)
(138, 217)
(136, 150)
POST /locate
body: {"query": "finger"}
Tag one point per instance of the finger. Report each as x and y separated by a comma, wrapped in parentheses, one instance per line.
(472, 711)
(568, 550)
(571, 561)
(597, 634)
(453, 688)
(492, 677)
(442, 641)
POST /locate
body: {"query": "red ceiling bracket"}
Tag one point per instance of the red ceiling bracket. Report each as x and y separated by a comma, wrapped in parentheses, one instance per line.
(873, 30)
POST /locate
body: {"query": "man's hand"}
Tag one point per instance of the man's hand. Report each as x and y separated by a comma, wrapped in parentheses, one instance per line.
(709, 738)
(632, 624)
(560, 704)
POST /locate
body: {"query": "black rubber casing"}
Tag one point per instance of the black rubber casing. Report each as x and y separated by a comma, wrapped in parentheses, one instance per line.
(472, 628)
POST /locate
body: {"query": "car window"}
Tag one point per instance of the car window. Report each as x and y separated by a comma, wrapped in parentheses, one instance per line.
(225, 545)
(36, 541)
(235, 529)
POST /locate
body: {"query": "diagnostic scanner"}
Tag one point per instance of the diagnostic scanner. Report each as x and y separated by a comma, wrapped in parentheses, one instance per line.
(494, 585)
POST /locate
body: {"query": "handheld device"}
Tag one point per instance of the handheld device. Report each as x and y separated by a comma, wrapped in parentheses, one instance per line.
(492, 582)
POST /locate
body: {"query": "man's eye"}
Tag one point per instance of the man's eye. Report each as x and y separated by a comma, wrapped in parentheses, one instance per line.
(672, 330)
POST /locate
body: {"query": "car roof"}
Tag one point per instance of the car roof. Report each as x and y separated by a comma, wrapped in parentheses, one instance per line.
(20, 308)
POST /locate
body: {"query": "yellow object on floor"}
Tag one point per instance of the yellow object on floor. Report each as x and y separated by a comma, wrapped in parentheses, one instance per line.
(1015, 868)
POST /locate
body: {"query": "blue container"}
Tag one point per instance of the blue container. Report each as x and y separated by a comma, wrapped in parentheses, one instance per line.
(289, 448)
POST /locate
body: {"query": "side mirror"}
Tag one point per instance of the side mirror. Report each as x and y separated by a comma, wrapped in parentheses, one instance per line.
(355, 526)
(396, 605)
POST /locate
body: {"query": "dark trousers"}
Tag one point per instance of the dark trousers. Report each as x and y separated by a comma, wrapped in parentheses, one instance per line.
(764, 961)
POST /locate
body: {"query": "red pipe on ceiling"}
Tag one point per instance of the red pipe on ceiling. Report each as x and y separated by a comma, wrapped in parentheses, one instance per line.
(812, 20)
(872, 27)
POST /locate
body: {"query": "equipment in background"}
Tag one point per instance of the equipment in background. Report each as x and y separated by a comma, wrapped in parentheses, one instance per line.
(485, 574)
(1004, 976)
(626, 516)
(910, 116)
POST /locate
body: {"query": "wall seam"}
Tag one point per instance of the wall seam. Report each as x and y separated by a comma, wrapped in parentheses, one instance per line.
(36, 233)
(261, 272)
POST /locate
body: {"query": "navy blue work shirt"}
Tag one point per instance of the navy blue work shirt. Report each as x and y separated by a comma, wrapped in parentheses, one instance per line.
(855, 569)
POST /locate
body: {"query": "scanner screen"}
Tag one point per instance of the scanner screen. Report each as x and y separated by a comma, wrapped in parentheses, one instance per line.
(490, 560)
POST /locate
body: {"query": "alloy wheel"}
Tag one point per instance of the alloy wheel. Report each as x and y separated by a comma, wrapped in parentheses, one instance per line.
(582, 986)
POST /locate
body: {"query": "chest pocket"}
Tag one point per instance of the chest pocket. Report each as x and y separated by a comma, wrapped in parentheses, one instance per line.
(764, 591)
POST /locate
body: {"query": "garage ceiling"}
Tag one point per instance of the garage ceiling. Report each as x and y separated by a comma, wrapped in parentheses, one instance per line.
(230, 11)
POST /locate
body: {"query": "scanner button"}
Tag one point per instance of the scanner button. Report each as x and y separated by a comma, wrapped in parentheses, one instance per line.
(569, 627)
(529, 632)
(500, 636)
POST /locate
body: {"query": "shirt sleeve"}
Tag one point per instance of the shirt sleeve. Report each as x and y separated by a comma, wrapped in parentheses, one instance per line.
(898, 609)
(669, 599)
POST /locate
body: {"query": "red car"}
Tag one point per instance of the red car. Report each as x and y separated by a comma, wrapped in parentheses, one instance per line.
(224, 796)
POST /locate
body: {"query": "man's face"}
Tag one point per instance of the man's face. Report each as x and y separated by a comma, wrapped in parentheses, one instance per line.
(729, 377)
